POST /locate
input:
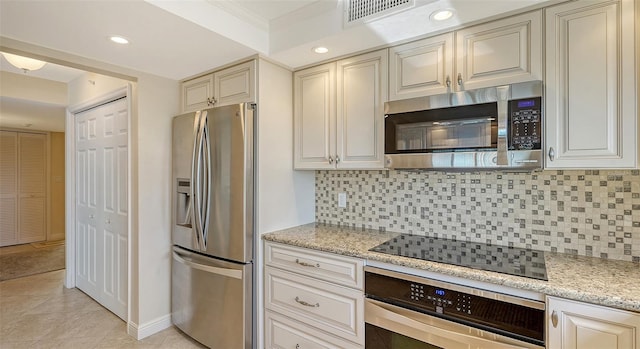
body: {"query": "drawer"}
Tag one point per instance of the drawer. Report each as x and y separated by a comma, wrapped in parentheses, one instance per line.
(335, 309)
(282, 332)
(325, 266)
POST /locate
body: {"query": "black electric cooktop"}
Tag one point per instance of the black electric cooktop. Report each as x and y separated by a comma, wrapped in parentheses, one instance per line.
(501, 259)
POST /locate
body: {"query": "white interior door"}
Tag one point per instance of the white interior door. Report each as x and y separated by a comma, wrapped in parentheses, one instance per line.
(101, 204)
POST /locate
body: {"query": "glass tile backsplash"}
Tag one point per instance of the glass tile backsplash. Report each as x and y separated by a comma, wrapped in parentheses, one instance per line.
(589, 213)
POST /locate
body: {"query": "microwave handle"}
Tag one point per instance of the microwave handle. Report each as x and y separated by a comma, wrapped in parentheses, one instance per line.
(503, 94)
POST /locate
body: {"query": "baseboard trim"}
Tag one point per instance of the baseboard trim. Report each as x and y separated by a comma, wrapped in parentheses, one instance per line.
(147, 329)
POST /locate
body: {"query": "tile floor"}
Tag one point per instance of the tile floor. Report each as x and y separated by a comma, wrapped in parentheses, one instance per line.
(39, 312)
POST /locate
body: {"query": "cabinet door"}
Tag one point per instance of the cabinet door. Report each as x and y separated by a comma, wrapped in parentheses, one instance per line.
(197, 93)
(590, 78)
(235, 85)
(500, 52)
(575, 325)
(314, 117)
(361, 93)
(8, 188)
(32, 187)
(282, 332)
(421, 68)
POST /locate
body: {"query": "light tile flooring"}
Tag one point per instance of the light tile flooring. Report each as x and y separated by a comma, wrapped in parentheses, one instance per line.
(39, 312)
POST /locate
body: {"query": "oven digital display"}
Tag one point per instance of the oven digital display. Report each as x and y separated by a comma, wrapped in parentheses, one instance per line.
(440, 292)
(527, 104)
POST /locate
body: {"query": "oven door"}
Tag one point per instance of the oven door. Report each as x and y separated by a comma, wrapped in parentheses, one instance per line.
(392, 327)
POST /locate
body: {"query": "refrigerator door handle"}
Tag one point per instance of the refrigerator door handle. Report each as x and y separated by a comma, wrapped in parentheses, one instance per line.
(196, 171)
(232, 273)
(206, 143)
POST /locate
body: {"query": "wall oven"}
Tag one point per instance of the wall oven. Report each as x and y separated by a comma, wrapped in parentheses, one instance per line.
(490, 128)
(410, 312)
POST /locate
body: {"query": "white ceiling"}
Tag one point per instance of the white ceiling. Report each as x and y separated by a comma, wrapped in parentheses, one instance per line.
(179, 39)
(33, 115)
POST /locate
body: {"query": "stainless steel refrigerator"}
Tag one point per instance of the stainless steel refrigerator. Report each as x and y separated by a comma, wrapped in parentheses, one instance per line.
(213, 223)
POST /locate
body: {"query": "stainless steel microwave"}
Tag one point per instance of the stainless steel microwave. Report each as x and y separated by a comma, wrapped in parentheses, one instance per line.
(490, 128)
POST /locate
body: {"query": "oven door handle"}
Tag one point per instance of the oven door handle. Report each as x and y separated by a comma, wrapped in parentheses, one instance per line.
(436, 331)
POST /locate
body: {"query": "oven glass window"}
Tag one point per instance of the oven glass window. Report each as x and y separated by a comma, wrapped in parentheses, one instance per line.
(380, 338)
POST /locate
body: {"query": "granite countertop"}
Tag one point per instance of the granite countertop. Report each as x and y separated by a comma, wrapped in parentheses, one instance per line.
(593, 280)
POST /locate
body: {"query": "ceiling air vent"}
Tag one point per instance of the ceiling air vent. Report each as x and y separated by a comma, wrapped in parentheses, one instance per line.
(358, 11)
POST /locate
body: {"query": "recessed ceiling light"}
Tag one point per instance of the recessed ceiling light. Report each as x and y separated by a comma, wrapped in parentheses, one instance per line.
(119, 40)
(442, 15)
(320, 49)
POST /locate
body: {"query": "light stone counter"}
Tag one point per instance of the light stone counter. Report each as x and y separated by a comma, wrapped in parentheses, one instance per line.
(592, 280)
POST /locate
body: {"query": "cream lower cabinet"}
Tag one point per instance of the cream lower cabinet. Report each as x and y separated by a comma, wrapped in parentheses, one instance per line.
(232, 85)
(312, 299)
(576, 325)
(591, 70)
(339, 114)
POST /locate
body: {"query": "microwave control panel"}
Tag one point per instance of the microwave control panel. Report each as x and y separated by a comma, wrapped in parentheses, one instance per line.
(525, 124)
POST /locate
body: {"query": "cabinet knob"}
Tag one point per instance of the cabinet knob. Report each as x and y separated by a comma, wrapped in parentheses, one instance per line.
(337, 159)
(552, 153)
(297, 346)
(211, 101)
(554, 318)
(448, 81)
(330, 160)
(459, 79)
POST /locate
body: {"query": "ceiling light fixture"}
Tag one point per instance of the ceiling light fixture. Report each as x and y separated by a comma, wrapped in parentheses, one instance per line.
(320, 49)
(442, 15)
(119, 40)
(24, 63)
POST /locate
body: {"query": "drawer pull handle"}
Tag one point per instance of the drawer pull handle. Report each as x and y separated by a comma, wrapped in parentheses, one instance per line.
(554, 318)
(306, 304)
(305, 264)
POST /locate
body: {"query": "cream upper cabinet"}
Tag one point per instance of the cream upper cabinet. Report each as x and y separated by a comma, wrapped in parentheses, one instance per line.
(338, 113)
(197, 93)
(235, 85)
(232, 85)
(575, 325)
(496, 53)
(361, 93)
(590, 100)
(500, 52)
(315, 117)
(421, 68)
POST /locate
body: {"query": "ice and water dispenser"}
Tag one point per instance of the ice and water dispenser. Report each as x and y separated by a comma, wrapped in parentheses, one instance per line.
(183, 203)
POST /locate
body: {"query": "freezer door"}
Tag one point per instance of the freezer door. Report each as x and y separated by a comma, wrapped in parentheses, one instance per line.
(212, 300)
(228, 227)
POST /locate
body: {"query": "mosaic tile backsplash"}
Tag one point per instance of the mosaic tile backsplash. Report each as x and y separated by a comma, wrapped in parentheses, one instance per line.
(589, 213)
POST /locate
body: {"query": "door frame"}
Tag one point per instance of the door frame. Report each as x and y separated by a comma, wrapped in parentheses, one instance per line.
(70, 183)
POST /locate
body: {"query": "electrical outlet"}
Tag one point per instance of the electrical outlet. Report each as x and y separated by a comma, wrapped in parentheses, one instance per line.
(342, 199)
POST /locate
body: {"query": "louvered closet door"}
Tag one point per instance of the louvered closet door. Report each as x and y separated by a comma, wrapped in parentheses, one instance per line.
(8, 188)
(32, 187)
(23, 187)
(101, 204)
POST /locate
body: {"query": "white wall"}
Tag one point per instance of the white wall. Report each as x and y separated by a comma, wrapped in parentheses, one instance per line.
(91, 85)
(155, 101)
(286, 198)
(21, 86)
